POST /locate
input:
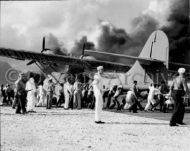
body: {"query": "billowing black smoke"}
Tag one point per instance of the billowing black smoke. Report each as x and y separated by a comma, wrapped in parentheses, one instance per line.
(143, 26)
(178, 31)
(114, 40)
(81, 44)
(54, 45)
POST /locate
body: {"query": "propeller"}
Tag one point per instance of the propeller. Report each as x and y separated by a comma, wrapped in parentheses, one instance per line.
(43, 49)
(43, 45)
(83, 49)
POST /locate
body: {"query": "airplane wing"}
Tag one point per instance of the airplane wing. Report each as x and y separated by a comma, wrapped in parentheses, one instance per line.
(156, 69)
(175, 66)
(131, 59)
(60, 60)
(108, 66)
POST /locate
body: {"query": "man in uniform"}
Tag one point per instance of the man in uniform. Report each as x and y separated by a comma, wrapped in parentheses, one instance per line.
(50, 91)
(9, 94)
(111, 94)
(135, 101)
(115, 98)
(98, 90)
(163, 90)
(178, 89)
(21, 94)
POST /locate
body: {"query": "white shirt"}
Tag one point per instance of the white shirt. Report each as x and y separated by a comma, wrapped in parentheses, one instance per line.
(97, 83)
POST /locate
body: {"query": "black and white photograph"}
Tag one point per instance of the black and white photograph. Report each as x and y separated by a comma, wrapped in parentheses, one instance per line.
(95, 75)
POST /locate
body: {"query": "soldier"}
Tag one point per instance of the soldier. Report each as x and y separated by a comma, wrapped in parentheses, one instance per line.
(135, 92)
(68, 92)
(98, 91)
(115, 100)
(90, 97)
(77, 94)
(59, 94)
(111, 94)
(50, 91)
(31, 93)
(41, 94)
(8, 94)
(21, 94)
(160, 92)
(178, 89)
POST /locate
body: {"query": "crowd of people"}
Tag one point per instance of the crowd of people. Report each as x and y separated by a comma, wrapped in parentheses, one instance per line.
(77, 95)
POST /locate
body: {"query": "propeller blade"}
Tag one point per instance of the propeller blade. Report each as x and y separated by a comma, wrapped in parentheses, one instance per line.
(43, 44)
(31, 62)
(83, 48)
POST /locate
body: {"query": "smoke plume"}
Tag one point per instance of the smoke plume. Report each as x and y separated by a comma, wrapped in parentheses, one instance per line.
(106, 37)
(81, 44)
(178, 31)
(55, 46)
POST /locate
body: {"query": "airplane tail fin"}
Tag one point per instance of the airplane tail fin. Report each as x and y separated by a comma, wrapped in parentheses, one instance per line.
(157, 48)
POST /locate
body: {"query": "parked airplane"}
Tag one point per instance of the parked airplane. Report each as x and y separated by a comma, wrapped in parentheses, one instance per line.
(151, 65)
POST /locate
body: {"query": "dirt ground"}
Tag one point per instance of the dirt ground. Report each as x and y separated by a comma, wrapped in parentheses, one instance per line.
(69, 130)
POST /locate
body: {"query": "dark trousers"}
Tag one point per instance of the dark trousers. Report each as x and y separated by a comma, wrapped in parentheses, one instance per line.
(61, 100)
(85, 100)
(4, 98)
(91, 104)
(71, 101)
(49, 100)
(123, 102)
(21, 100)
(15, 101)
(9, 99)
(109, 99)
(105, 94)
(179, 109)
(160, 102)
(134, 105)
(115, 101)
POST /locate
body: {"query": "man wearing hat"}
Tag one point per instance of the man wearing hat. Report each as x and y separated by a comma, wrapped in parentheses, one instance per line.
(98, 90)
(178, 89)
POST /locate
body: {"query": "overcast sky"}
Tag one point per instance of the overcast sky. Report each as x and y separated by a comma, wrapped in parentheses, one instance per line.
(24, 23)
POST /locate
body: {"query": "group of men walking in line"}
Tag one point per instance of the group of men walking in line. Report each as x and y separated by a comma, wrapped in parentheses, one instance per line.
(78, 95)
(178, 90)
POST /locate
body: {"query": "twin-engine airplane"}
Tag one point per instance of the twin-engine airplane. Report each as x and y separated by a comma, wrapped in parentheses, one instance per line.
(150, 66)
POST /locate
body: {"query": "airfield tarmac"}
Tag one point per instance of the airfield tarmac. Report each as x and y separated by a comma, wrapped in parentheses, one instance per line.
(68, 130)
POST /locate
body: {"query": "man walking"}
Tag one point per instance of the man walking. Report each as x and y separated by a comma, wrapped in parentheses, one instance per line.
(98, 90)
(135, 101)
(178, 89)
